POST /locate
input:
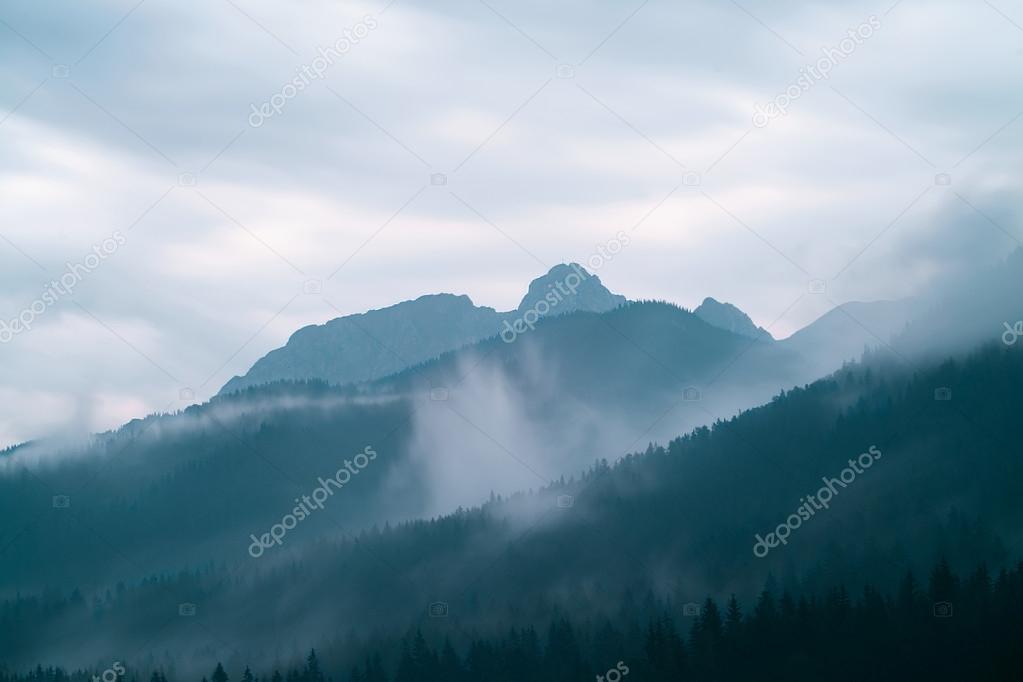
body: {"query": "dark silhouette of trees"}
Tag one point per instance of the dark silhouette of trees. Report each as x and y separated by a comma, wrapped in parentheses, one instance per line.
(874, 636)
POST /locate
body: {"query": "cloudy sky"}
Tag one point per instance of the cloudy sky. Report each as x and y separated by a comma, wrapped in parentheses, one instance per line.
(466, 147)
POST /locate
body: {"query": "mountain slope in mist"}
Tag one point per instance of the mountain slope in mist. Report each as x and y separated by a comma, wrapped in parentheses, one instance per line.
(951, 317)
(636, 359)
(682, 520)
(966, 311)
(495, 416)
(846, 331)
(179, 492)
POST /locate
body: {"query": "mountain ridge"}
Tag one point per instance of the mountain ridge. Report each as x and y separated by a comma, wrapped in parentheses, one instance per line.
(727, 316)
(370, 345)
(367, 346)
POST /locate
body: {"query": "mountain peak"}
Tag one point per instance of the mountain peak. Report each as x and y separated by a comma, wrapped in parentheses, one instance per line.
(566, 288)
(374, 344)
(726, 316)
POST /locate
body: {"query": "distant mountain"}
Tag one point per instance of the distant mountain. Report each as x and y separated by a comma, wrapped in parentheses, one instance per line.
(367, 346)
(567, 289)
(846, 331)
(643, 369)
(952, 317)
(379, 343)
(727, 316)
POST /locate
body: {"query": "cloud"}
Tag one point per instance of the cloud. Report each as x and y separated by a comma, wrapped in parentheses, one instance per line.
(552, 164)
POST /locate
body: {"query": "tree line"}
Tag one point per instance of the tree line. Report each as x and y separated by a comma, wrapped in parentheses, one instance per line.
(950, 627)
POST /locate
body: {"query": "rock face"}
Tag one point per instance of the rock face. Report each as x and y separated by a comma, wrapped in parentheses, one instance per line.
(726, 316)
(378, 343)
(568, 288)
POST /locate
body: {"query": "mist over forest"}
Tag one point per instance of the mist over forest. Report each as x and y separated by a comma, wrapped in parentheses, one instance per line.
(387, 341)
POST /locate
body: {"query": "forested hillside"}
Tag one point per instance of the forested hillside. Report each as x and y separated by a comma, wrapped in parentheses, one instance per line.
(679, 522)
(191, 487)
(975, 621)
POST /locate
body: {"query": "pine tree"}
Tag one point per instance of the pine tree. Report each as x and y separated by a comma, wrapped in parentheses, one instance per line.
(312, 672)
(375, 669)
(943, 584)
(406, 666)
(450, 668)
(733, 619)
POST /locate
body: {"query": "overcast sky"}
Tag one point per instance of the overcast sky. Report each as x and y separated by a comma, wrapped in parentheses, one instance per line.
(554, 124)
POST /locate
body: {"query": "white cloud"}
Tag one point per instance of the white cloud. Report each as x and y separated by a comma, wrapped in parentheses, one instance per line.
(558, 172)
